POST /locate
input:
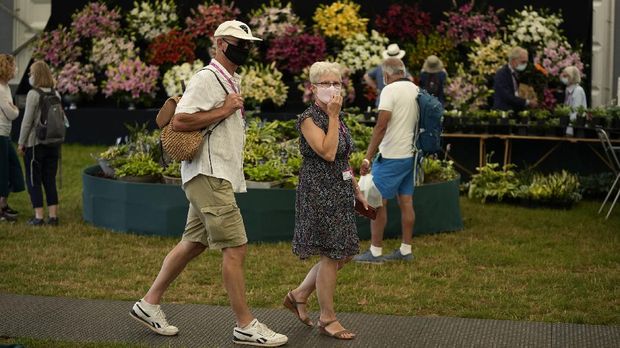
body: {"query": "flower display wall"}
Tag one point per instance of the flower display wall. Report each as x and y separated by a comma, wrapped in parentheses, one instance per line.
(102, 38)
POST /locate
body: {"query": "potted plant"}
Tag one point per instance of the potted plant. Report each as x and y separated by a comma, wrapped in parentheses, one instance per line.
(562, 112)
(139, 167)
(598, 116)
(172, 173)
(541, 116)
(522, 126)
(107, 158)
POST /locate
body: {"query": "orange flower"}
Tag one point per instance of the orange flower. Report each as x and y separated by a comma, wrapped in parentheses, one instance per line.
(541, 69)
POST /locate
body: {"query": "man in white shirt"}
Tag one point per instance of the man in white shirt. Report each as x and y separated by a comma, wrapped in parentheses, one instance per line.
(213, 102)
(393, 168)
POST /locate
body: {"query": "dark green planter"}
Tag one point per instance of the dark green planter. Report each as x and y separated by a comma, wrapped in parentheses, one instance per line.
(268, 214)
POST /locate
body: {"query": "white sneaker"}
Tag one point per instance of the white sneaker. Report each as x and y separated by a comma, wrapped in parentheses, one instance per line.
(258, 334)
(153, 317)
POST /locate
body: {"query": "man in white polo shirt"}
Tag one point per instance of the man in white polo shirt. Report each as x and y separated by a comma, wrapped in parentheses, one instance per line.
(392, 171)
(213, 102)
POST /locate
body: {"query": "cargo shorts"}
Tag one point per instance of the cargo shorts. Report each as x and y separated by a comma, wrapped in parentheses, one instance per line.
(213, 218)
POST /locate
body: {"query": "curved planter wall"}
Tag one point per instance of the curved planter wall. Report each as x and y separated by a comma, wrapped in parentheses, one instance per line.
(269, 214)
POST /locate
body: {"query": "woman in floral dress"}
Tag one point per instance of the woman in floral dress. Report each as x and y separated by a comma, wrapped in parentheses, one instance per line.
(324, 207)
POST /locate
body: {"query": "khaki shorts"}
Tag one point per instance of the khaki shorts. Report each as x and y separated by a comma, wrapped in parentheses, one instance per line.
(213, 218)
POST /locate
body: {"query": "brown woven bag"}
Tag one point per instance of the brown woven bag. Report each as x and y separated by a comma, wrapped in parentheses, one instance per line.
(179, 146)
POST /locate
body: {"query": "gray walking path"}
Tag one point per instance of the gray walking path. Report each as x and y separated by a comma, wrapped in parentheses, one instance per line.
(75, 320)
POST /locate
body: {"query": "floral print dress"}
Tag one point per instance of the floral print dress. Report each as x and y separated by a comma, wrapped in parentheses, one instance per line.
(324, 205)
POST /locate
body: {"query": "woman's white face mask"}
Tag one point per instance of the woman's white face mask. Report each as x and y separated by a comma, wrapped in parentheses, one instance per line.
(325, 94)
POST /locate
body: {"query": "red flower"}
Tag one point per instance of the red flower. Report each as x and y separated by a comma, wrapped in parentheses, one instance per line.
(293, 52)
(173, 47)
(403, 22)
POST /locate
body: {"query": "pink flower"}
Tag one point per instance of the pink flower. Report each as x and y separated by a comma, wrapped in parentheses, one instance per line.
(95, 21)
(131, 77)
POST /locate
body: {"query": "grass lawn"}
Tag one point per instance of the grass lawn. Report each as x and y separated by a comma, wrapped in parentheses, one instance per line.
(509, 263)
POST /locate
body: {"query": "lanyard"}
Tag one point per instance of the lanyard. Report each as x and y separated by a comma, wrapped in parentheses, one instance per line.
(230, 82)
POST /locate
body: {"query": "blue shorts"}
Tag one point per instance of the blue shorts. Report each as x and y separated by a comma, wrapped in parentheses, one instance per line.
(393, 176)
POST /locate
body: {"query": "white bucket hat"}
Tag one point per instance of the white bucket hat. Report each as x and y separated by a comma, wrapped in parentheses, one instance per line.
(393, 51)
(236, 29)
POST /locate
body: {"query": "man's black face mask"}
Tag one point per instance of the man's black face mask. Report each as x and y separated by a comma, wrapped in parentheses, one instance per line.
(237, 54)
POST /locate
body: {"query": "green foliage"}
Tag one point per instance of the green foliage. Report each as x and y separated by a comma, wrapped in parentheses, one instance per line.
(598, 111)
(360, 132)
(114, 152)
(493, 182)
(562, 110)
(596, 185)
(542, 114)
(562, 188)
(270, 170)
(138, 164)
(558, 189)
(436, 170)
(173, 169)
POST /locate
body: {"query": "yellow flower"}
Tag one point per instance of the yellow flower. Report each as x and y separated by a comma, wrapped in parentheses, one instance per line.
(340, 20)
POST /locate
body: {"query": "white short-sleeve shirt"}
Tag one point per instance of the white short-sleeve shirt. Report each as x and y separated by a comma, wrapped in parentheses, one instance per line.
(399, 98)
(221, 153)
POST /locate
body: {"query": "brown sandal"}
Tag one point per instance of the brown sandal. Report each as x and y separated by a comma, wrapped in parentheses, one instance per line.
(337, 335)
(291, 304)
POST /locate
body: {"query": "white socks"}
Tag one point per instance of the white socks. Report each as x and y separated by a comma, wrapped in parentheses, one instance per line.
(149, 306)
(376, 251)
(405, 249)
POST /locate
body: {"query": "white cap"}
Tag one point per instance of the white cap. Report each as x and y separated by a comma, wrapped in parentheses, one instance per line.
(236, 29)
(393, 51)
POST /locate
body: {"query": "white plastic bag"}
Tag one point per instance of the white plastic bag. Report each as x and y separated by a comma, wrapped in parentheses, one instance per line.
(370, 191)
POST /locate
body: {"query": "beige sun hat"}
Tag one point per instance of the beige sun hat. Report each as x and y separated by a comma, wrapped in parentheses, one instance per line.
(393, 51)
(236, 29)
(432, 64)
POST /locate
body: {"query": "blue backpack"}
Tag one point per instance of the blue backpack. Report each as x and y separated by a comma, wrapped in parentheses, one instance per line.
(428, 136)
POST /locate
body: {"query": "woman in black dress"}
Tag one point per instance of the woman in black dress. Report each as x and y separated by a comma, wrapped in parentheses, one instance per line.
(324, 207)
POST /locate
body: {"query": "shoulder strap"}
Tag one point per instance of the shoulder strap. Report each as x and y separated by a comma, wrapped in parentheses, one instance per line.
(210, 130)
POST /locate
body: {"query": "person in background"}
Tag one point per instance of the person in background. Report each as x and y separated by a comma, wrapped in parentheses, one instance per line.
(324, 206)
(506, 83)
(574, 95)
(374, 77)
(392, 170)
(433, 77)
(213, 100)
(11, 177)
(40, 160)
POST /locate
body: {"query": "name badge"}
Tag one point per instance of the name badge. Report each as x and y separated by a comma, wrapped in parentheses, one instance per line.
(347, 174)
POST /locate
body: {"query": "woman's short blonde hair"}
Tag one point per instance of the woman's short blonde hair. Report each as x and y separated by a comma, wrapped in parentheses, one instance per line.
(7, 67)
(319, 69)
(41, 74)
(574, 75)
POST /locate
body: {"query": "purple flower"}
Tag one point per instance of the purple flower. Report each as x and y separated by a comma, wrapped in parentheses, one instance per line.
(131, 77)
(75, 78)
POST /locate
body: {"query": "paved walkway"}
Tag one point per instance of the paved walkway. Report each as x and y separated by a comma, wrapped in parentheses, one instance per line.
(68, 319)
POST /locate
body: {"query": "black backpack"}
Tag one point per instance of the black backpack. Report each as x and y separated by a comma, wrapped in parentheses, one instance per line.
(51, 126)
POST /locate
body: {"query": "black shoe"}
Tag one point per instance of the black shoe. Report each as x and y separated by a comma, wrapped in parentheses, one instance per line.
(35, 222)
(7, 218)
(9, 212)
(53, 221)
